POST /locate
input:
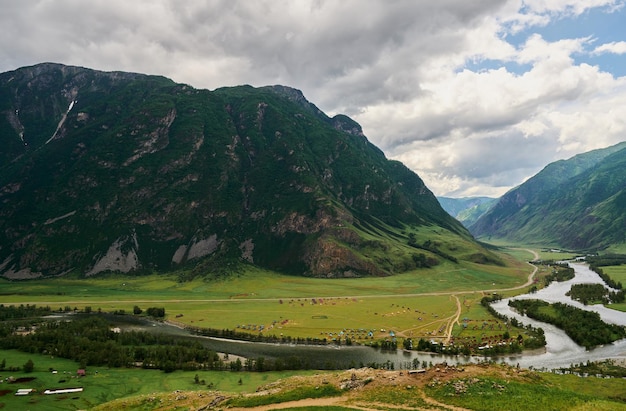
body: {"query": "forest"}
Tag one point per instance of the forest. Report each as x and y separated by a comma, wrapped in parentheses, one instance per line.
(584, 327)
(595, 294)
(560, 272)
(92, 340)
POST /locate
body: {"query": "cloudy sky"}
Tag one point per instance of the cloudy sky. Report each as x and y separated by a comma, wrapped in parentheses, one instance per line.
(475, 96)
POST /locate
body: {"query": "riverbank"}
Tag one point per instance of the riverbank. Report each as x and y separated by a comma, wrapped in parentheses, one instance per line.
(561, 351)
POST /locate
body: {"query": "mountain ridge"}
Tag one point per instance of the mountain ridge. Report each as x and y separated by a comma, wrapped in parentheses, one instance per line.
(113, 171)
(467, 209)
(575, 203)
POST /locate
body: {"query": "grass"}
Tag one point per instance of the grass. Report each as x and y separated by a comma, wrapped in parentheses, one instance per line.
(618, 274)
(292, 395)
(413, 304)
(419, 303)
(102, 385)
(545, 392)
(399, 395)
(256, 284)
(612, 388)
(303, 318)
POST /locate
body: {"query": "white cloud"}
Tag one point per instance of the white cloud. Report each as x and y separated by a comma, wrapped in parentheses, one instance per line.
(565, 7)
(615, 47)
(463, 92)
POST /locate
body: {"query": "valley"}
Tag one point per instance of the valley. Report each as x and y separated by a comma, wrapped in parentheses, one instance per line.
(241, 300)
(308, 307)
(217, 243)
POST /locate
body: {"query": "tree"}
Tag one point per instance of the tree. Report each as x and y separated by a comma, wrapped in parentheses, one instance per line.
(236, 365)
(137, 310)
(158, 312)
(29, 366)
(260, 364)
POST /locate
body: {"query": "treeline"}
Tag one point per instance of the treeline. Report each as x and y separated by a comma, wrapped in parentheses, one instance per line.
(91, 341)
(506, 346)
(12, 312)
(595, 293)
(608, 280)
(258, 337)
(560, 272)
(536, 339)
(605, 277)
(606, 368)
(606, 260)
(497, 345)
(584, 327)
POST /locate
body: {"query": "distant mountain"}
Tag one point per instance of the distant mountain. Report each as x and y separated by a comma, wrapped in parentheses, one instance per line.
(578, 203)
(113, 171)
(468, 209)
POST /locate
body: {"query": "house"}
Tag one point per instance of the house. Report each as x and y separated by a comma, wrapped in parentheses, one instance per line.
(81, 372)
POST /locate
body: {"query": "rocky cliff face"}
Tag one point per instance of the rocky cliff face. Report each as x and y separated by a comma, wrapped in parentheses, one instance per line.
(127, 172)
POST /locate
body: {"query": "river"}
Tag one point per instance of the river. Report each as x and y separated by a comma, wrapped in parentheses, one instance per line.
(560, 350)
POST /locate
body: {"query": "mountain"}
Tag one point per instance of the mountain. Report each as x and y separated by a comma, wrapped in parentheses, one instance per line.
(468, 209)
(579, 203)
(124, 172)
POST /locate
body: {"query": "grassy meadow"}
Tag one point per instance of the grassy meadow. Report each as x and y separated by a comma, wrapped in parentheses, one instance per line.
(422, 303)
(495, 387)
(617, 273)
(536, 392)
(432, 303)
(102, 385)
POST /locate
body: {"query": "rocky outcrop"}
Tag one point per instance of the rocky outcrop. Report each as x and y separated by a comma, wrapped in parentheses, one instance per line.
(120, 257)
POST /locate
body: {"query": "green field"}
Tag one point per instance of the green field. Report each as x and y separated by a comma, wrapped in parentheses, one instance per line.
(540, 392)
(422, 303)
(101, 385)
(618, 274)
(494, 388)
(435, 303)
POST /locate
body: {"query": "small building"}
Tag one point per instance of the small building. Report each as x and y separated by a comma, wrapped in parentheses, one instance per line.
(81, 372)
(63, 391)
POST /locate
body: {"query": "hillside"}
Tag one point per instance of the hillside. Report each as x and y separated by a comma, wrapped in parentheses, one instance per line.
(112, 171)
(578, 204)
(440, 387)
(468, 209)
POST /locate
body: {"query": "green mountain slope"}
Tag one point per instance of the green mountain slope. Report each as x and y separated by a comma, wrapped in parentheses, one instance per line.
(468, 209)
(577, 203)
(127, 172)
